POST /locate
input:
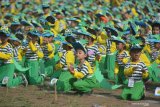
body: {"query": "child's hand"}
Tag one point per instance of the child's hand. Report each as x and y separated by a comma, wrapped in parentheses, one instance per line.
(71, 69)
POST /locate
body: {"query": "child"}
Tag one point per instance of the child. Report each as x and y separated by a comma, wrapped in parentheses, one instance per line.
(7, 64)
(86, 81)
(33, 53)
(61, 68)
(122, 57)
(135, 71)
(48, 49)
(92, 50)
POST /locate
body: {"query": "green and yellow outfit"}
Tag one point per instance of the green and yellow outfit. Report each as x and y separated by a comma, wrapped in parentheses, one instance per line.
(48, 50)
(135, 88)
(33, 54)
(7, 66)
(121, 59)
(62, 73)
(86, 81)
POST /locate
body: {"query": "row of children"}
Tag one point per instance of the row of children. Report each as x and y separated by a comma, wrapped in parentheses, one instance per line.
(75, 51)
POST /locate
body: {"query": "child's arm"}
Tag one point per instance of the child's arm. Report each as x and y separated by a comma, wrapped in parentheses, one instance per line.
(70, 58)
(76, 73)
(5, 56)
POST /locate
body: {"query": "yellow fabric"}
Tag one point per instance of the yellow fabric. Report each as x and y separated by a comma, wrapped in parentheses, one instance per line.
(60, 54)
(5, 56)
(128, 71)
(70, 58)
(60, 25)
(41, 40)
(49, 47)
(58, 66)
(113, 47)
(32, 46)
(145, 75)
(134, 12)
(125, 60)
(144, 58)
(54, 32)
(116, 69)
(20, 54)
(147, 49)
(101, 40)
(51, 55)
(40, 54)
(79, 75)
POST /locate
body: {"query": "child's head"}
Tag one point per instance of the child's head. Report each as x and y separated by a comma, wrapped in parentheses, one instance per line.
(81, 52)
(67, 46)
(4, 36)
(81, 55)
(120, 46)
(157, 45)
(33, 36)
(135, 52)
(156, 28)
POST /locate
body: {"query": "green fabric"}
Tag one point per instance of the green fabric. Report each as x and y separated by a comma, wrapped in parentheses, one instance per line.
(134, 93)
(101, 65)
(7, 70)
(49, 66)
(154, 72)
(109, 65)
(64, 82)
(19, 68)
(41, 66)
(33, 73)
(120, 78)
(86, 84)
(103, 83)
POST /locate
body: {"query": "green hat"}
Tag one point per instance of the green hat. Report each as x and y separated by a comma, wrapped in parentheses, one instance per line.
(26, 23)
(67, 43)
(48, 33)
(82, 31)
(112, 30)
(78, 45)
(45, 6)
(34, 33)
(119, 39)
(5, 32)
(35, 23)
(74, 19)
(14, 38)
(136, 47)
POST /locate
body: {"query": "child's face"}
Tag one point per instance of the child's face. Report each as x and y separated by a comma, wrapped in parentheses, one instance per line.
(157, 45)
(119, 45)
(46, 11)
(4, 39)
(80, 54)
(45, 40)
(16, 43)
(135, 54)
(156, 30)
(27, 28)
(73, 24)
(50, 39)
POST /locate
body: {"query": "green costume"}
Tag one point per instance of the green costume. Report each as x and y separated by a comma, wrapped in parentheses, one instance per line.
(133, 93)
(7, 70)
(33, 74)
(109, 65)
(86, 84)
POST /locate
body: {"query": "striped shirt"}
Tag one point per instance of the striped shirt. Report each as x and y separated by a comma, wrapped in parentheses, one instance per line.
(8, 49)
(46, 52)
(155, 55)
(120, 56)
(108, 46)
(16, 52)
(30, 55)
(137, 74)
(67, 58)
(92, 51)
(85, 69)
